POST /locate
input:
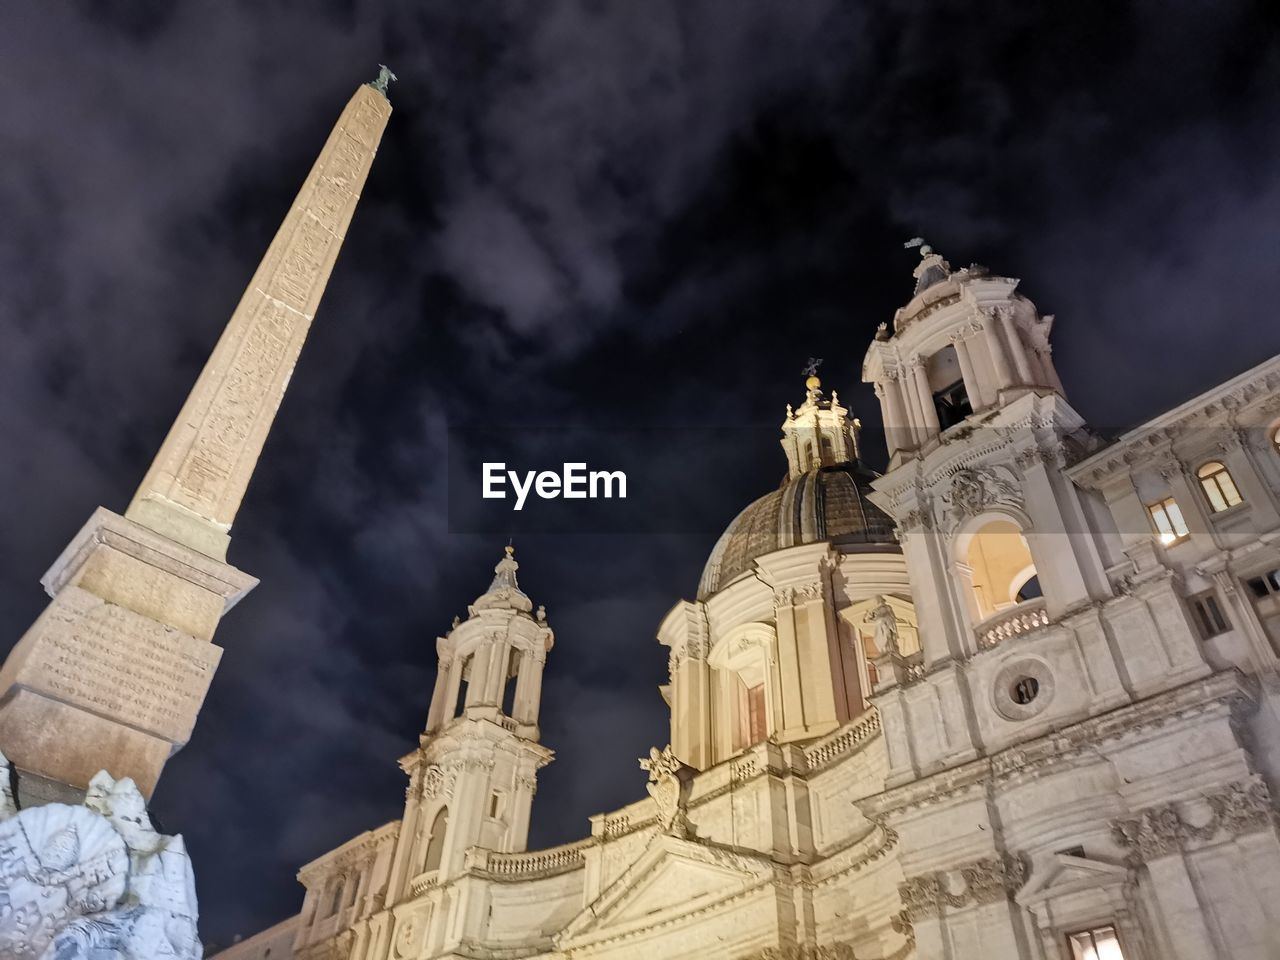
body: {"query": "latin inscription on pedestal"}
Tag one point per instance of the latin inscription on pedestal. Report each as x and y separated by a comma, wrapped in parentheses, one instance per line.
(108, 660)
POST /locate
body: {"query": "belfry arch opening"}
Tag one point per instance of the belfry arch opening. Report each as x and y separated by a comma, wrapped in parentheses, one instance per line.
(997, 564)
(946, 383)
(435, 841)
(510, 683)
(464, 685)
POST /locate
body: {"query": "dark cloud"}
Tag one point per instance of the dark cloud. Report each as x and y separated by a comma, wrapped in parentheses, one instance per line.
(614, 215)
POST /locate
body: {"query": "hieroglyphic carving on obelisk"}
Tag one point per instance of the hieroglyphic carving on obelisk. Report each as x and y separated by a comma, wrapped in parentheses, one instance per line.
(113, 674)
(194, 487)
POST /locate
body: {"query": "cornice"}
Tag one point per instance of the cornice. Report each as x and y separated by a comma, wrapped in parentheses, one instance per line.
(1224, 401)
(1224, 692)
(355, 852)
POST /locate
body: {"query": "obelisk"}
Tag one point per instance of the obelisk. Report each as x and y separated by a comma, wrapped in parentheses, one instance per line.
(113, 673)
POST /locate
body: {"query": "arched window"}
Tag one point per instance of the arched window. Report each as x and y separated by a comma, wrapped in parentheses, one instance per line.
(1275, 437)
(744, 678)
(1218, 486)
(335, 904)
(828, 450)
(435, 843)
(1000, 569)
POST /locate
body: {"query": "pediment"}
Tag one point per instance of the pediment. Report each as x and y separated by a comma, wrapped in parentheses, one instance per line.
(1067, 874)
(671, 878)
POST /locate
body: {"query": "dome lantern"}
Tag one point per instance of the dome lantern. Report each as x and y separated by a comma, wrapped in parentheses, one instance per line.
(823, 498)
(820, 432)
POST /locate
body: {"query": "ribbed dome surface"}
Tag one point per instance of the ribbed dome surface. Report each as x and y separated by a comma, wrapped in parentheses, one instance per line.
(829, 503)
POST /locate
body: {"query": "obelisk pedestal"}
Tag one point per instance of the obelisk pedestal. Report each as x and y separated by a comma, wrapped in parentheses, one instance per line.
(113, 673)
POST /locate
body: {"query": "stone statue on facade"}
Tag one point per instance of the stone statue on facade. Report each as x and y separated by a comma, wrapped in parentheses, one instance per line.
(93, 881)
(932, 268)
(669, 786)
(886, 626)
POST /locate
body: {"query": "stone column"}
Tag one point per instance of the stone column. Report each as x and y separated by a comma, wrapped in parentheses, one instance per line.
(1131, 517)
(1040, 366)
(453, 689)
(365, 888)
(1046, 356)
(814, 625)
(439, 694)
(931, 423)
(520, 810)
(529, 687)
(519, 709)
(496, 680)
(1174, 894)
(1077, 573)
(1015, 345)
(927, 565)
(723, 697)
(971, 385)
(691, 713)
(911, 406)
(897, 429)
(479, 673)
(789, 723)
(309, 902)
(403, 862)
(999, 359)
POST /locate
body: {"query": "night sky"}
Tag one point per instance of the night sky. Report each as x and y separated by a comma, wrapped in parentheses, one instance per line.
(630, 221)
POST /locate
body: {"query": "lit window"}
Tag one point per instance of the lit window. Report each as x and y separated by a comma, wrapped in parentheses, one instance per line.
(1218, 486)
(1275, 439)
(1100, 943)
(1208, 616)
(1168, 520)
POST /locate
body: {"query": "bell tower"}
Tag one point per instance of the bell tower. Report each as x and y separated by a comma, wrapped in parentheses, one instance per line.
(966, 343)
(996, 535)
(474, 774)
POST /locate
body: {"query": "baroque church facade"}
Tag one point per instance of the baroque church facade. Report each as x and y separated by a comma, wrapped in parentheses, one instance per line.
(1017, 698)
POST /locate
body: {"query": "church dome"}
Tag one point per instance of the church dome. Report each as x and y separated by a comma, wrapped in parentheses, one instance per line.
(824, 503)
